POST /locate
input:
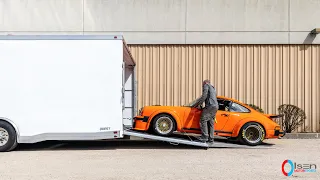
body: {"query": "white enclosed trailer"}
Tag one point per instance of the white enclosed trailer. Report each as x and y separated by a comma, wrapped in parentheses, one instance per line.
(67, 88)
(64, 88)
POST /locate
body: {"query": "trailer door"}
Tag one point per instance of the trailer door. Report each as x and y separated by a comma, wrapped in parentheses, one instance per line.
(129, 96)
(129, 88)
(123, 85)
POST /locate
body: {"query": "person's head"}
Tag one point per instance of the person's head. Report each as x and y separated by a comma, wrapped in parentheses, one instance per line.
(207, 81)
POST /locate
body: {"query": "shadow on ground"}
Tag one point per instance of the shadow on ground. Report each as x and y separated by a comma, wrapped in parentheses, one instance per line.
(118, 144)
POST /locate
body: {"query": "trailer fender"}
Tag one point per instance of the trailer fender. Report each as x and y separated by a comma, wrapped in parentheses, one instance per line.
(171, 113)
(13, 125)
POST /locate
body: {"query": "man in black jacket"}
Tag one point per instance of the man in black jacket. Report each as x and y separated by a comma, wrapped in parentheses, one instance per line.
(209, 97)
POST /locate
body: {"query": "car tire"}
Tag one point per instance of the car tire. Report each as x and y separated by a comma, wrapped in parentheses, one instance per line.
(8, 137)
(252, 134)
(163, 125)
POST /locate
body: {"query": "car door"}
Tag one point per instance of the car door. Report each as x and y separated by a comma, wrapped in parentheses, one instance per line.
(222, 115)
(193, 115)
(191, 119)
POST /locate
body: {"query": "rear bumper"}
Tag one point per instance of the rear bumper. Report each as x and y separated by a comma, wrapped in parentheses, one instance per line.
(275, 134)
(279, 133)
(140, 123)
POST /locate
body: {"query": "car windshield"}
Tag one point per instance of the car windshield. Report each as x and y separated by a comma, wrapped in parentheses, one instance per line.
(192, 103)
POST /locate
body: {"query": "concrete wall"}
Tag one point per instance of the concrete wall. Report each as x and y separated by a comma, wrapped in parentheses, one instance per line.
(168, 21)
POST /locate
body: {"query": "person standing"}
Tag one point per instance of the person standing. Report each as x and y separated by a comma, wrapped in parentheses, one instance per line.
(209, 97)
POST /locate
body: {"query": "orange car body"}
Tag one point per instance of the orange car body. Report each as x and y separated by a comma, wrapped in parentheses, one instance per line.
(228, 123)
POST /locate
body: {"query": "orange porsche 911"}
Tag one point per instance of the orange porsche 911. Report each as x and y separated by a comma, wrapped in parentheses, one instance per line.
(233, 120)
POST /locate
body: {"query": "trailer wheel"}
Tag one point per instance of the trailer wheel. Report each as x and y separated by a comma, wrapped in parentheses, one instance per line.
(164, 125)
(252, 134)
(8, 137)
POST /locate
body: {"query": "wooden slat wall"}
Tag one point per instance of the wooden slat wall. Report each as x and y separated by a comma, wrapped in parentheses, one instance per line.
(265, 75)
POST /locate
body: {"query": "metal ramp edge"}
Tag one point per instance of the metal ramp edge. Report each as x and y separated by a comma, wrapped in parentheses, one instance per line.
(176, 141)
(171, 140)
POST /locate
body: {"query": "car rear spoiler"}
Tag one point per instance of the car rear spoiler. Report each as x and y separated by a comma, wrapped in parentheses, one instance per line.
(274, 116)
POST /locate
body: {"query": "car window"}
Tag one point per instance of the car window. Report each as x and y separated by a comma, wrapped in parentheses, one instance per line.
(223, 104)
(238, 108)
(192, 103)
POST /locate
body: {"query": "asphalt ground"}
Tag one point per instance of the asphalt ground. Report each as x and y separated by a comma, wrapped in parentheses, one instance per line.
(100, 160)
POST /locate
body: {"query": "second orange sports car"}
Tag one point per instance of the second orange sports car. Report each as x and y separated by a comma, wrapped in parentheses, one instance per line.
(233, 119)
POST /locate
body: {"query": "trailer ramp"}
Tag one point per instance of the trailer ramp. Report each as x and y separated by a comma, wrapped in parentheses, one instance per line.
(177, 141)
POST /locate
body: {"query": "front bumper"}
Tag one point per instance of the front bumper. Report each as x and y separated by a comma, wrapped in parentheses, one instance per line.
(140, 123)
(141, 118)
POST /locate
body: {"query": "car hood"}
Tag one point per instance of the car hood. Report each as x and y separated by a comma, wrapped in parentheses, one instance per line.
(160, 107)
(166, 107)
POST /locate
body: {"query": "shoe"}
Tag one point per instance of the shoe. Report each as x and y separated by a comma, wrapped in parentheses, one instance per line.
(203, 139)
(210, 140)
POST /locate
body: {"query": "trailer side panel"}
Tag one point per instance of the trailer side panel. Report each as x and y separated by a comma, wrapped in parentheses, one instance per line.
(62, 89)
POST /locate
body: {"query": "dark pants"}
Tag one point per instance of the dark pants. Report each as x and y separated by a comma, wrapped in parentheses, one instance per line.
(207, 122)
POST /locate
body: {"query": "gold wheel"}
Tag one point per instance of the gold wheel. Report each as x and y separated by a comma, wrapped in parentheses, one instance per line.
(164, 125)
